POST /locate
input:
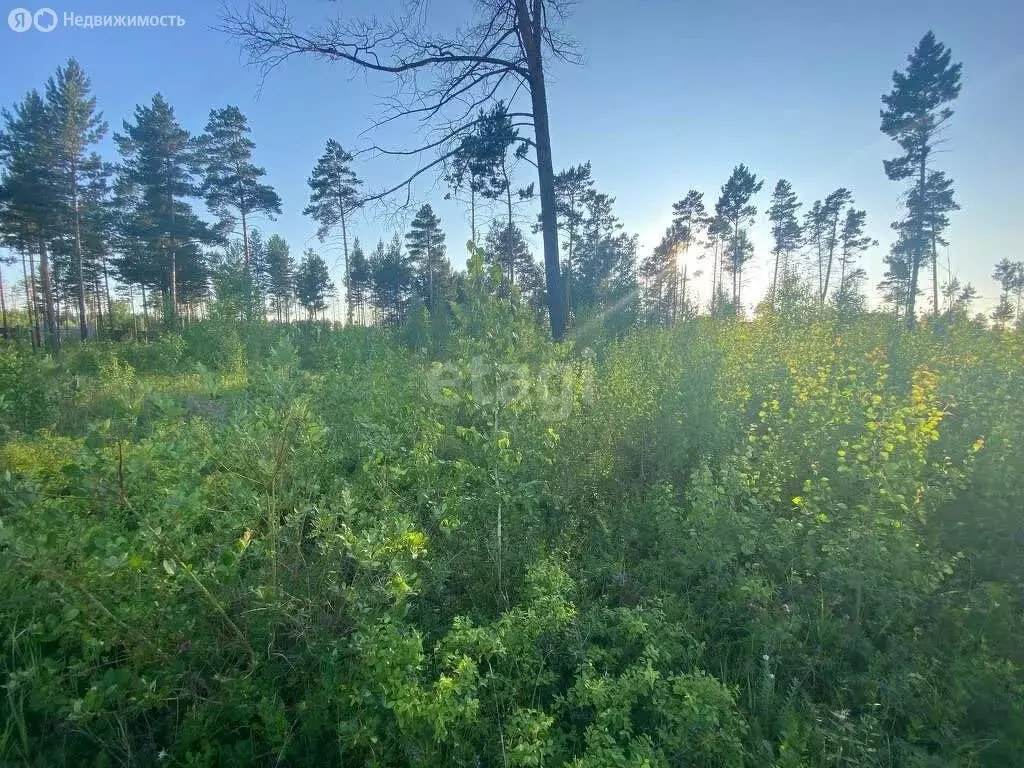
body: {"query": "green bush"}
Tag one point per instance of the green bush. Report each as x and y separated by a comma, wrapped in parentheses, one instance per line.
(29, 395)
(217, 345)
(769, 543)
(165, 354)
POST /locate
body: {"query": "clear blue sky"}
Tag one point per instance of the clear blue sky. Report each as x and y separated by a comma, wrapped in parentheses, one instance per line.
(672, 95)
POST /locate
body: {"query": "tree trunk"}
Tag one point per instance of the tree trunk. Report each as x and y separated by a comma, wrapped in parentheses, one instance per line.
(529, 33)
(174, 265)
(29, 299)
(106, 288)
(935, 276)
(37, 336)
(145, 311)
(245, 243)
(131, 308)
(430, 273)
(735, 267)
(472, 210)
(348, 274)
(83, 324)
(3, 301)
(775, 278)
(53, 335)
(912, 297)
(682, 298)
(99, 305)
(173, 302)
(714, 279)
(508, 231)
(917, 252)
(821, 265)
(828, 267)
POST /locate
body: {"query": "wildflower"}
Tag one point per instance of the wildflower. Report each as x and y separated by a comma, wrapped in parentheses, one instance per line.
(766, 657)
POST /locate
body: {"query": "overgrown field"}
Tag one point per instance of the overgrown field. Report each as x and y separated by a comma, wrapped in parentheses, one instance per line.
(726, 544)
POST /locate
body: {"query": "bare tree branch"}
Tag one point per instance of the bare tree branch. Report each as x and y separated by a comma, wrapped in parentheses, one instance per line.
(500, 52)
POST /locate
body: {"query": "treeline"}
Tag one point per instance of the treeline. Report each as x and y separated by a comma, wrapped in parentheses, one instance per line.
(95, 237)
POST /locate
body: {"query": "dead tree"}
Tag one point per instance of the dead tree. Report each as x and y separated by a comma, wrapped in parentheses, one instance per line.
(441, 82)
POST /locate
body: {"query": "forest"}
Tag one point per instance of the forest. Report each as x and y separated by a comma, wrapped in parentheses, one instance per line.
(554, 511)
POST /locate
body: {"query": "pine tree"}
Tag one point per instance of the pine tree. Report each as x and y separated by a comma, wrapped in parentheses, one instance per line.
(78, 126)
(657, 274)
(572, 188)
(503, 243)
(467, 172)
(496, 135)
(852, 244)
(786, 231)
(359, 273)
(391, 278)
(916, 110)
(334, 196)
(1010, 276)
(259, 272)
(814, 229)
(31, 218)
(736, 211)
(280, 274)
(98, 233)
(231, 183)
(426, 249)
(718, 232)
(896, 284)
(937, 204)
(689, 220)
(958, 299)
(313, 283)
(236, 298)
(606, 263)
(154, 183)
(831, 213)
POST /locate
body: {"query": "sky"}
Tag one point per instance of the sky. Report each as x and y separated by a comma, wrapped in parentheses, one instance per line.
(671, 95)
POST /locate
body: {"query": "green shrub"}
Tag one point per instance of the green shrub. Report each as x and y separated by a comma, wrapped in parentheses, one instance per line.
(775, 543)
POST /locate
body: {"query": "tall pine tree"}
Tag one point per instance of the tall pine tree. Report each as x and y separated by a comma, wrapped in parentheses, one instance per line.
(31, 217)
(231, 183)
(786, 232)
(313, 283)
(914, 114)
(831, 213)
(359, 274)
(334, 196)
(426, 249)
(392, 282)
(78, 126)
(280, 275)
(154, 184)
(737, 212)
(852, 244)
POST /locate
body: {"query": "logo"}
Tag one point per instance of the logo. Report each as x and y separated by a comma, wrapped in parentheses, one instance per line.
(45, 19)
(22, 20)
